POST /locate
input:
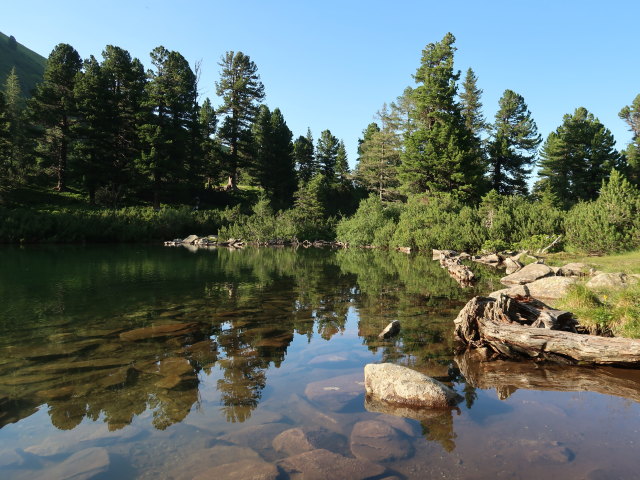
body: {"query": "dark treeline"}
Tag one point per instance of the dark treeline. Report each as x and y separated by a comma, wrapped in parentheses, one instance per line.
(118, 136)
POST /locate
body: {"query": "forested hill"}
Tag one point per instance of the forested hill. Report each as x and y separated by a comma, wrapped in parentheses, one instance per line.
(29, 65)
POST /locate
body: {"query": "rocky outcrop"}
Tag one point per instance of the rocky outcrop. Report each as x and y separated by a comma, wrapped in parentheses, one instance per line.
(399, 385)
(547, 288)
(575, 269)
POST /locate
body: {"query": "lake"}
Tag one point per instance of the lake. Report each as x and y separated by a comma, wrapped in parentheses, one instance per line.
(153, 362)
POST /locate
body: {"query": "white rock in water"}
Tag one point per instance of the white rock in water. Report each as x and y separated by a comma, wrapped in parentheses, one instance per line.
(402, 386)
(390, 330)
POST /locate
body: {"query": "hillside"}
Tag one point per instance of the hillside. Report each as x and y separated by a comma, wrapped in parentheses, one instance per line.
(29, 65)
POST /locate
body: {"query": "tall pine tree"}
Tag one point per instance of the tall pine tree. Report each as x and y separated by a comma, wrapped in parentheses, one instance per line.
(327, 155)
(439, 155)
(305, 157)
(53, 112)
(513, 145)
(241, 91)
(631, 115)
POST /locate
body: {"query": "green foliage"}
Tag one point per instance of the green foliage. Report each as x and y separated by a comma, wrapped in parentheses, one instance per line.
(631, 115)
(513, 145)
(241, 91)
(438, 221)
(440, 154)
(131, 224)
(327, 154)
(305, 159)
(373, 224)
(576, 158)
(608, 224)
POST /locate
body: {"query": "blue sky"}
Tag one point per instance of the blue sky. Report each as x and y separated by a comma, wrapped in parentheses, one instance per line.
(332, 64)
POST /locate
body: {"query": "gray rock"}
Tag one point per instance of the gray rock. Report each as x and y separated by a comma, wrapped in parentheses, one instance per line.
(491, 259)
(611, 280)
(575, 269)
(322, 464)
(333, 394)
(438, 254)
(378, 442)
(208, 458)
(529, 273)
(258, 437)
(242, 470)
(292, 442)
(82, 465)
(515, 291)
(550, 287)
(190, 239)
(402, 386)
(390, 330)
(512, 266)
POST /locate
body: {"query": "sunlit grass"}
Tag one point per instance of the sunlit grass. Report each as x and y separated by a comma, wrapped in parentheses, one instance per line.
(628, 262)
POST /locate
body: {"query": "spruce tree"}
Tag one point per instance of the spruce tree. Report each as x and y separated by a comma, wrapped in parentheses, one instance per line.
(342, 165)
(209, 148)
(513, 145)
(380, 152)
(53, 112)
(576, 158)
(305, 159)
(15, 117)
(241, 91)
(439, 155)
(631, 115)
(471, 105)
(5, 146)
(327, 155)
(171, 133)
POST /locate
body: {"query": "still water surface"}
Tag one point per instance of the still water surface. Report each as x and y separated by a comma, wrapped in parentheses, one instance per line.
(144, 362)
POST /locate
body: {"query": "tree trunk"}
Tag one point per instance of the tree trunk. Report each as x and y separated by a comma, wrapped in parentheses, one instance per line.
(501, 325)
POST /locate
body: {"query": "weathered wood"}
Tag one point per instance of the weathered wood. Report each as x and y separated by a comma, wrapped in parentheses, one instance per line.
(459, 272)
(488, 322)
(508, 376)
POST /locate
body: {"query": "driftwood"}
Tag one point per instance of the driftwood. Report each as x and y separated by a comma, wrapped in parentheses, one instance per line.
(501, 325)
(507, 377)
(450, 260)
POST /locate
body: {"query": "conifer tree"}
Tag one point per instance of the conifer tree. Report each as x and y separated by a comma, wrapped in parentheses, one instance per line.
(380, 156)
(172, 130)
(241, 91)
(209, 148)
(342, 164)
(14, 117)
(5, 146)
(305, 160)
(327, 155)
(513, 145)
(576, 158)
(53, 110)
(471, 105)
(631, 115)
(439, 154)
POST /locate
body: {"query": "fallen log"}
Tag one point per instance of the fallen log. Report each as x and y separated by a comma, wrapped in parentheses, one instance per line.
(489, 322)
(506, 377)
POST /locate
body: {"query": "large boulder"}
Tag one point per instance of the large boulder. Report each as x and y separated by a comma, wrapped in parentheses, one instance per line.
(512, 265)
(527, 274)
(550, 288)
(611, 280)
(402, 386)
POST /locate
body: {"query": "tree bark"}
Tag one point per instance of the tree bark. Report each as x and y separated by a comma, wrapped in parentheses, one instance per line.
(487, 322)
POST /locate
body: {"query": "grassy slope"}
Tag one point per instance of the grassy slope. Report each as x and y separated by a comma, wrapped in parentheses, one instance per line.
(29, 65)
(628, 262)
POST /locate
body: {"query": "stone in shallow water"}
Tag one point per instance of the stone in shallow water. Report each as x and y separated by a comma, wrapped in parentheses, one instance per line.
(554, 453)
(82, 465)
(378, 442)
(159, 331)
(292, 442)
(335, 393)
(258, 437)
(242, 470)
(322, 464)
(208, 458)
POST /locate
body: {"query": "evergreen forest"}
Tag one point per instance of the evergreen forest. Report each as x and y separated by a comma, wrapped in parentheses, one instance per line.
(111, 149)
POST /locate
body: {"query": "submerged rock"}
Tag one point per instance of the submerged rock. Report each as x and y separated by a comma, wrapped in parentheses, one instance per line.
(322, 464)
(335, 393)
(402, 386)
(378, 442)
(159, 331)
(243, 470)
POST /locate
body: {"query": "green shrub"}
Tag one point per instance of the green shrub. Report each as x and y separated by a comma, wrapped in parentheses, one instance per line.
(372, 224)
